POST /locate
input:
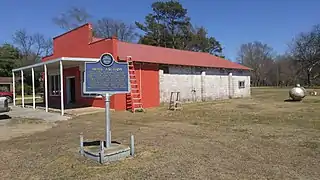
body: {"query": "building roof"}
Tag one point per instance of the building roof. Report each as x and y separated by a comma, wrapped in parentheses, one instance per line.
(160, 55)
(153, 54)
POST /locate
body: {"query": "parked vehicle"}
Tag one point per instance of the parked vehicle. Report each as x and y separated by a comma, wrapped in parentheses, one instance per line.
(4, 105)
(8, 95)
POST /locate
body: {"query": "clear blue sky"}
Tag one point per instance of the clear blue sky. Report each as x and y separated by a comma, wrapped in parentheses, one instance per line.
(232, 22)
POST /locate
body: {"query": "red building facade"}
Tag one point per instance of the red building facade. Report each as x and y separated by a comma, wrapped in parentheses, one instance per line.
(80, 43)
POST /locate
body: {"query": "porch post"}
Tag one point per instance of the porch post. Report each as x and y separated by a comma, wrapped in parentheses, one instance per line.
(14, 88)
(231, 90)
(61, 89)
(22, 89)
(46, 86)
(33, 91)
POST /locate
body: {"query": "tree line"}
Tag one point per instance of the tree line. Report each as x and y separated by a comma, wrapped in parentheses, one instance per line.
(299, 65)
(169, 25)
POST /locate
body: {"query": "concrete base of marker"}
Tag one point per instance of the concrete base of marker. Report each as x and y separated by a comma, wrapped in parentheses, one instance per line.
(93, 150)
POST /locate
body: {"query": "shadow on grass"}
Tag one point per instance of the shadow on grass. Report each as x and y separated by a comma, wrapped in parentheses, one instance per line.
(291, 100)
(97, 143)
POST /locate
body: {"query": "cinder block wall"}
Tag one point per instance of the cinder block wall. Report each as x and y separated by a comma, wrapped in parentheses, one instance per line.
(202, 84)
(241, 92)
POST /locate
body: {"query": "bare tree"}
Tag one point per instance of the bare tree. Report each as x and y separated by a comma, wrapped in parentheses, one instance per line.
(286, 70)
(104, 28)
(259, 57)
(300, 65)
(42, 46)
(72, 18)
(107, 27)
(305, 50)
(32, 46)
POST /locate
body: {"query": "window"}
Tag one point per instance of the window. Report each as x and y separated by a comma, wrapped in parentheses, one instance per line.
(54, 85)
(222, 71)
(241, 84)
(165, 69)
(198, 70)
(87, 94)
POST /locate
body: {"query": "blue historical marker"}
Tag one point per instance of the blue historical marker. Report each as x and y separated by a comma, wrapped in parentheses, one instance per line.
(106, 77)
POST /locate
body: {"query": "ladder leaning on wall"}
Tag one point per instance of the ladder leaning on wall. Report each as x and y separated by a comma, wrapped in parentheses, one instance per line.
(133, 99)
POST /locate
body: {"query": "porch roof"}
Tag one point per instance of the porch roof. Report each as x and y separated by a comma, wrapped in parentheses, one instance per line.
(56, 61)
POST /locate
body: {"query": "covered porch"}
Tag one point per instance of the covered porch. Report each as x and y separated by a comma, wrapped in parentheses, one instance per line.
(62, 82)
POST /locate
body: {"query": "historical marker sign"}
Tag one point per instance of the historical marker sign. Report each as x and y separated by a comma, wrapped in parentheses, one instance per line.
(106, 76)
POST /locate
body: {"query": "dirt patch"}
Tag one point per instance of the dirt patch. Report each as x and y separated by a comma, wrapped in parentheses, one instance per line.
(10, 128)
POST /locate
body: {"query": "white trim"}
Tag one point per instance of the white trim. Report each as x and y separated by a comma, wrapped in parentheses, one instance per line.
(14, 89)
(79, 59)
(33, 90)
(46, 85)
(76, 59)
(22, 88)
(61, 88)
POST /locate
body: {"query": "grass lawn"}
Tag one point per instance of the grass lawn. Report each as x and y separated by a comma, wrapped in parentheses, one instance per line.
(258, 138)
(27, 96)
(29, 100)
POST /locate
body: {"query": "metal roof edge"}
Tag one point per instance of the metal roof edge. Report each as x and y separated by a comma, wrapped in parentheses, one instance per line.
(57, 60)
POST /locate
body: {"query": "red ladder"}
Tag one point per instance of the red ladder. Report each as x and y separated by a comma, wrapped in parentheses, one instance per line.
(133, 98)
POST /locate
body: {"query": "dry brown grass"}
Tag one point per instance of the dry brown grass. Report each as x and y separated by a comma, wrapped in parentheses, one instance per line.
(10, 128)
(258, 138)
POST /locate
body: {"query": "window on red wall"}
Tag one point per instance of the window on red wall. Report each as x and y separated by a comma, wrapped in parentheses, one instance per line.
(54, 85)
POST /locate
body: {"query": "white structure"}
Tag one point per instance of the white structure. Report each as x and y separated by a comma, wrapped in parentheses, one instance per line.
(202, 84)
(55, 65)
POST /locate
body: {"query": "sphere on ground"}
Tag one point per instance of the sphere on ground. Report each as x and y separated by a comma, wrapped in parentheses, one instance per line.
(305, 91)
(297, 93)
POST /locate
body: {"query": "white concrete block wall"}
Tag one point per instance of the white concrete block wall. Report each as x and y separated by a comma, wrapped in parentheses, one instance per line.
(241, 92)
(216, 87)
(195, 84)
(180, 79)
